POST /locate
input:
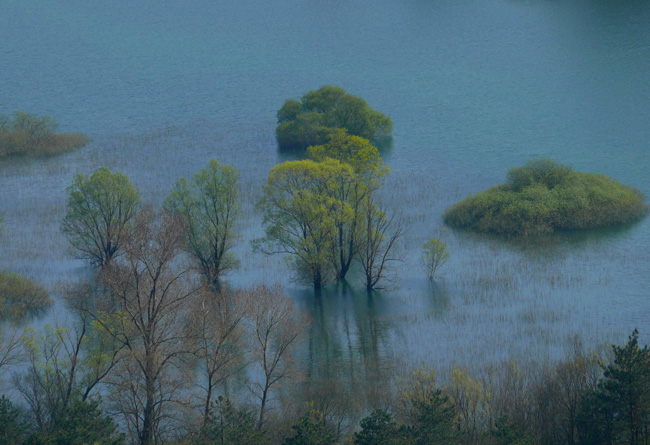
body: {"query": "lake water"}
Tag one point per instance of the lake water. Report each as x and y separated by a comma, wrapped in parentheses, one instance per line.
(474, 88)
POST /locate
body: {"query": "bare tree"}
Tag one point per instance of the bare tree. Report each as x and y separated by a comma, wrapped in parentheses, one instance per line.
(9, 348)
(276, 327)
(150, 293)
(216, 327)
(376, 242)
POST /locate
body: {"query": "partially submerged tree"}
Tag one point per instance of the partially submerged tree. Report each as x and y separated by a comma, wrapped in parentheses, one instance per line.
(324, 212)
(543, 196)
(301, 214)
(99, 214)
(434, 255)
(20, 298)
(208, 206)
(375, 243)
(369, 171)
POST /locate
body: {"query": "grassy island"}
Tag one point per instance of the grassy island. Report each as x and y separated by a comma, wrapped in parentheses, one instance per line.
(28, 135)
(543, 197)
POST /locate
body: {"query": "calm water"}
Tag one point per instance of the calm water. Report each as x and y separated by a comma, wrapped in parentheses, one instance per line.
(474, 88)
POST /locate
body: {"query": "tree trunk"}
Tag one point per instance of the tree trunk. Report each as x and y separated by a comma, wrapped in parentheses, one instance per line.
(148, 421)
(263, 406)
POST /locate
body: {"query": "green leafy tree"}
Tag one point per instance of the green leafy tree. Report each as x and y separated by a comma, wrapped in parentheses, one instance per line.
(434, 255)
(428, 413)
(311, 430)
(320, 112)
(229, 425)
(209, 207)
(11, 427)
(302, 213)
(434, 419)
(619, 410)
(82, 423)
(379, 428)
(99, 214)
(508, 432)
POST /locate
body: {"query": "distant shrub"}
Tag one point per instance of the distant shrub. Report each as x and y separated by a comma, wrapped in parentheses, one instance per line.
(319, 113)
(28, 135)
(20, 297)
(543, 197)
(434, 255)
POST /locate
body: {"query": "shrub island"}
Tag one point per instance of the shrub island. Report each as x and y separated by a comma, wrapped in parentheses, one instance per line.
(320, 113)
(28, 135)
(20, 297)
(543, 197)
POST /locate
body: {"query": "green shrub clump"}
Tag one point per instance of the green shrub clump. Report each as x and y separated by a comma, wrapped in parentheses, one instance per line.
(20, 297)
(543, 197)
(320, 113)
(27, 135)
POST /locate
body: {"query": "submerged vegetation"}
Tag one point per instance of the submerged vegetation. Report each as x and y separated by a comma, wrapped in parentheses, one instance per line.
(543, 197)
(28, 135)
(320, 113)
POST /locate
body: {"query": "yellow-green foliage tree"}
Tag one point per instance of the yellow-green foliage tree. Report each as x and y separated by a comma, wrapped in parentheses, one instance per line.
(328, 204)
(470, 399)
(434, 255)
(369, 171)
(301, 214)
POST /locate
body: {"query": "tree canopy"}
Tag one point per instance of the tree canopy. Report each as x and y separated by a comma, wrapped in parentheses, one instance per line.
(323, 212)
(544, 196)
(301, 214)
(320, 112)
(99, 214)
(208, 206)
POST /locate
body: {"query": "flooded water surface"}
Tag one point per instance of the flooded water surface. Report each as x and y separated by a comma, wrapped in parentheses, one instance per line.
(473, 88)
